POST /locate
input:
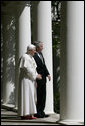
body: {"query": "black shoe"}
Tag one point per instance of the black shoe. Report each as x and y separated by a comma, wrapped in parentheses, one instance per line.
(45, 116)
(35, 115)
(39, 116)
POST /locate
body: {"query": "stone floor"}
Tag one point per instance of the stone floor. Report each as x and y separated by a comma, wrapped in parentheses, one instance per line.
(9, 117)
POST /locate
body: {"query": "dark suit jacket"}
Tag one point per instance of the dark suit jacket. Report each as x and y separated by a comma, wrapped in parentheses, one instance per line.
(41, 67)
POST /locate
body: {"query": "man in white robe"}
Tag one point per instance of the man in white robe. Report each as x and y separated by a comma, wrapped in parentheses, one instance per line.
(27, 81)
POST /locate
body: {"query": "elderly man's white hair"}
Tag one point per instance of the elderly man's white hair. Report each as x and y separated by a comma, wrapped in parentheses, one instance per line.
(30, 47)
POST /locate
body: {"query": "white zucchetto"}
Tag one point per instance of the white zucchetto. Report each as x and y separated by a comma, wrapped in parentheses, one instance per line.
(30, 47)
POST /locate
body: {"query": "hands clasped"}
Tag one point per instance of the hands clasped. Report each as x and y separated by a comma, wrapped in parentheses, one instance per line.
(39, 76)
(49, 77)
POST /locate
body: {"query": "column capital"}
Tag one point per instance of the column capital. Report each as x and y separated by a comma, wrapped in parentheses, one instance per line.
(11, 6)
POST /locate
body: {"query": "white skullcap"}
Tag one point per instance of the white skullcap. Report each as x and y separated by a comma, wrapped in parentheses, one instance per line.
(30, 47)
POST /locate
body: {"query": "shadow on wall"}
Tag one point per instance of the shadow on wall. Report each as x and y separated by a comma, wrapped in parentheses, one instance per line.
(8, 58)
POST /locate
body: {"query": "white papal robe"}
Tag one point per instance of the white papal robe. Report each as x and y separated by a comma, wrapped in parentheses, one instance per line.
(27, 80)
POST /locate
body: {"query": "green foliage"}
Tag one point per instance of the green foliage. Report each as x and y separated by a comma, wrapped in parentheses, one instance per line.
(57, 102)
(56, 22)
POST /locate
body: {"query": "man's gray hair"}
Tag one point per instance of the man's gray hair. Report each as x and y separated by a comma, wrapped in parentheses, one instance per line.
(37, 43)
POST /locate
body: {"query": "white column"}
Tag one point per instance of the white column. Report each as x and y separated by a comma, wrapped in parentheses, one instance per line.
(24, 40)
(45, 35)
(24, 30)
(72, 62)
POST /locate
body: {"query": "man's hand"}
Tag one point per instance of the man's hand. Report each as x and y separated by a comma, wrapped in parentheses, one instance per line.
(39, 77)
(49, 77)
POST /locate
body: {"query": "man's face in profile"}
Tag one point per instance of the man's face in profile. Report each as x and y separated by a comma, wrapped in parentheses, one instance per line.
(41, 47)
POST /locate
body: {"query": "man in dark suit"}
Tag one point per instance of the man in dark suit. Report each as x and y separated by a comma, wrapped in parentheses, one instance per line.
(41, 84)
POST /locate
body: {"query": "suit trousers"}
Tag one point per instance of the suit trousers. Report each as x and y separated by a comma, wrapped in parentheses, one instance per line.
(41, 95)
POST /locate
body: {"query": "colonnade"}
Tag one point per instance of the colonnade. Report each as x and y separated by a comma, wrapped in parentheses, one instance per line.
(72, 54)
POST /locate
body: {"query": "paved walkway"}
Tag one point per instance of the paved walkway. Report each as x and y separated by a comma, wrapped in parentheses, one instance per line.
(9, 117)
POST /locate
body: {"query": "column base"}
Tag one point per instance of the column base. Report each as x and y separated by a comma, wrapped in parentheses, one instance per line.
(10, 107)
(71, 122)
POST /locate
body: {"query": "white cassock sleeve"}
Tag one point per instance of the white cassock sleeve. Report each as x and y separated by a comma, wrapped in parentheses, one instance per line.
(29, 67)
